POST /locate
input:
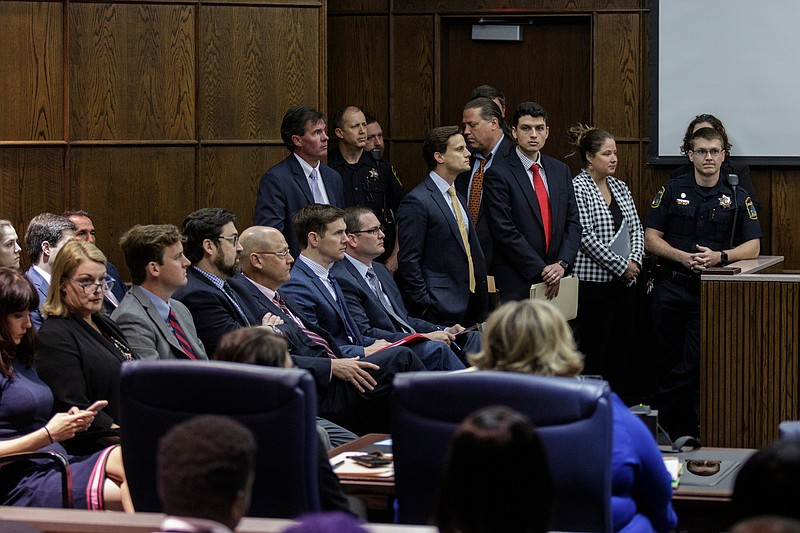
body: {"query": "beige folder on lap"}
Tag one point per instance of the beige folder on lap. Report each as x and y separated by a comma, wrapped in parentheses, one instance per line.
(567, 299)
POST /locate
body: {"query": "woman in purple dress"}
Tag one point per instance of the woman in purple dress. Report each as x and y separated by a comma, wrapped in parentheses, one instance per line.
(98, 480)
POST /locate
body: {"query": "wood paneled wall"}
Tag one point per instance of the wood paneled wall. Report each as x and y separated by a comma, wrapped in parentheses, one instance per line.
(141, 112)
(410, 94)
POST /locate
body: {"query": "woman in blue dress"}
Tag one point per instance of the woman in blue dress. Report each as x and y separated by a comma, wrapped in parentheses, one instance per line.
(98, 480)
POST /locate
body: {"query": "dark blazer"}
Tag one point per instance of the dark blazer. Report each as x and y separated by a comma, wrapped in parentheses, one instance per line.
(368, 313)
(212, 312)
(80, 365)
(516, 224)
(462, 186)
(118, 290)
(433, 261)
(41, 286)
(311, 296)
(148, 334)
(284, 191)
(729, 166)
(305, 353)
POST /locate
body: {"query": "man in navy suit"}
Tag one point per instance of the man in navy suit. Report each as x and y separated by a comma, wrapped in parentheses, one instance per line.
(352, 391)
(483, 130)
(44, 237)
(375, 303)
(212, 245)
(533, 215)
(441, 260)
(85, 232)
(300, 179)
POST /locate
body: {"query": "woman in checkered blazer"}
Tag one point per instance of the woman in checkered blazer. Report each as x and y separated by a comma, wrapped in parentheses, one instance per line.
(609, 258)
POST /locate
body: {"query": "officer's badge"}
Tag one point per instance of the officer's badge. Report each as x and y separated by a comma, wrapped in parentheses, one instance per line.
(373, 174)
(725, 201)
(657, 198)
(751, 209)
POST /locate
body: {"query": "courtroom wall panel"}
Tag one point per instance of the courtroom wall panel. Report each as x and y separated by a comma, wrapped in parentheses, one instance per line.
(141, 111)
(32, 82)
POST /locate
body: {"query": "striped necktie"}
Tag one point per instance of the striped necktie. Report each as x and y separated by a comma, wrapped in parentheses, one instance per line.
(180, 335)
(310, 334)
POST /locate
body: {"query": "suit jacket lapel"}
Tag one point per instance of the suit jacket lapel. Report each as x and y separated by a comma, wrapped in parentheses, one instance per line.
(300, 178)
(554, 185)
(153, 315)
(447, 213)
(526, 185)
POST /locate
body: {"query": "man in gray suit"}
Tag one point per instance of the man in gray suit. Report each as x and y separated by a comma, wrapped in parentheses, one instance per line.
(156, 326)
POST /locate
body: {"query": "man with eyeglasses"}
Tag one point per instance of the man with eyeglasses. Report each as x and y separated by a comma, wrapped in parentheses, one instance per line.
(696, 221)
(156, 325)
(212, 245)
(376, 304)
(368, 180)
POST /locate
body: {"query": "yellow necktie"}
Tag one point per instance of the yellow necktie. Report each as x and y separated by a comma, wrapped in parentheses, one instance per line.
(462, 228)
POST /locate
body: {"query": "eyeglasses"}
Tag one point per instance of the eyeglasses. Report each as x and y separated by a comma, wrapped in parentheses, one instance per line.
(372, 231)
(283, 255)
(234, 240)
(90, 287)
(702, 152)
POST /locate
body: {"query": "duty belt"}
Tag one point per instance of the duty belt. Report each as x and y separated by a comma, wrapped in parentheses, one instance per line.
(685, 278)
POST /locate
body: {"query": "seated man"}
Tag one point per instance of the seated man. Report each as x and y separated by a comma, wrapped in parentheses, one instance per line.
(375, 303)
(85, 232)
(156, 326)
(205, 473)
(45, 236)
(212, 245)
(351, 391)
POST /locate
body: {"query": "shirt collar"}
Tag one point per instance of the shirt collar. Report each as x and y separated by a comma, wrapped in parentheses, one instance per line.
(318, 269)
(161, 306)
(306, 167)
(361, 267)
(266, 291)
(528, 162)
(440, 182)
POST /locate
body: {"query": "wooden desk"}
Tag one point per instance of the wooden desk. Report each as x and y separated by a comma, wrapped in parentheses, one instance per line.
(701, 502)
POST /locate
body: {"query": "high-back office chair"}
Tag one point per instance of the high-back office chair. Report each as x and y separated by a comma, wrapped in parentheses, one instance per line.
(789, 429)
(278, 405)
(573, 418)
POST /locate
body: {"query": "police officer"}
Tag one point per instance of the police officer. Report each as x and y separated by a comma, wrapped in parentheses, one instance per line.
(368, 180)
(696, 221)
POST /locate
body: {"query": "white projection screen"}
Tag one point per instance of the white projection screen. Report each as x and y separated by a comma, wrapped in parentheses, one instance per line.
(736, 59)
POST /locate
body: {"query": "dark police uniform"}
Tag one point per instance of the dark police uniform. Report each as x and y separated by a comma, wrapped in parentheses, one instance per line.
(371, 184)
(689, 215)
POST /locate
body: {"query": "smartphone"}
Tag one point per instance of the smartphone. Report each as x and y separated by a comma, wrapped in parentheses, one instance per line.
(97, 406)
(371, 460)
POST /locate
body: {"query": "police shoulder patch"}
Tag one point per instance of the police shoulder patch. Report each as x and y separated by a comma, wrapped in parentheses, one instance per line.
(657, 198)
(751, 209)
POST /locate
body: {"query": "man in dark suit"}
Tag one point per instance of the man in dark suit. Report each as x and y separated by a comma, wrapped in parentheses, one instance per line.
(483, 129)
(352, 391)
(375, 302)
(156, 325)
(44, 237)
(300, 179)
(212, 245)
(533, 215)
(441, 260)
(85, 232)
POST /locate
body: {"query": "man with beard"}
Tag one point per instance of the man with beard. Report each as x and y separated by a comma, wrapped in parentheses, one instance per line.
(212, 245)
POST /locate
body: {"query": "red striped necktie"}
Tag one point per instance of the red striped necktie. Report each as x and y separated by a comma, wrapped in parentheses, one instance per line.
(310, 334)
(180, 335)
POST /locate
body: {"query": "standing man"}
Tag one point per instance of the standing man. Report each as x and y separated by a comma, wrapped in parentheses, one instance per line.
(696, 221)
(375, 302)
(156, 326)
(483, 130)
(374, 135)
(367, 181)
(533, 215)
(301, 178)
(85, 232)
(441, 260)
(45, 236)
(212, 245)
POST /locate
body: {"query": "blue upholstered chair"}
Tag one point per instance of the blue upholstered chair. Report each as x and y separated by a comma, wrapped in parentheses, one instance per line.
(573, 418)
(789, 429)
(278, 405)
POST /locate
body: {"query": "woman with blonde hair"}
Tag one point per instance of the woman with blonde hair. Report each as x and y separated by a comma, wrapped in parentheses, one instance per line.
(532, 336)
(81, 351)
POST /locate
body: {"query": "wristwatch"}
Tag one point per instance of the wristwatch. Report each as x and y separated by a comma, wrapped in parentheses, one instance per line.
(723, 258)
(563, 264)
